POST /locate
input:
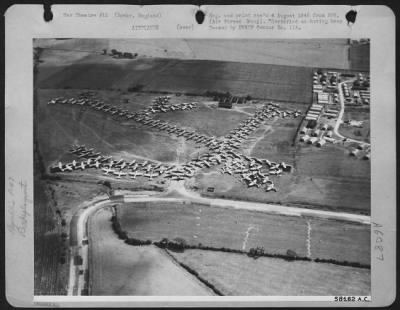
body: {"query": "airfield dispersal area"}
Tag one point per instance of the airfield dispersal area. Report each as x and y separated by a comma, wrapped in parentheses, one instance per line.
(107, 124)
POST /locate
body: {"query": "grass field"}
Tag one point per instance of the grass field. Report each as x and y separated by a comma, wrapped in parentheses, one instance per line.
(362, 134)
(360, 57)
(274, 82)
(240, 229)
(119, 269)
(324, 53)
(326, 177)
(49, 274)
(325, 193)
(206, 120)
(58, 127)
(238, 275)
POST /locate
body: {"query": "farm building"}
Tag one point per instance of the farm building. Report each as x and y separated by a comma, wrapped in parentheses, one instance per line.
(330, 114)
(312, 117)
(304, 138)
(312, 140)
(323, 98)
(329, 133)
(354, 152)
(321, 142)
(316, 133)
(324, 127)
(316, 107)
(225, 103)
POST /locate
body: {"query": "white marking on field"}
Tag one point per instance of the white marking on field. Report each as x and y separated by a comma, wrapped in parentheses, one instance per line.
(309, 238)
(195, 236)
(197, 217)
(246, 237)
(198, 224)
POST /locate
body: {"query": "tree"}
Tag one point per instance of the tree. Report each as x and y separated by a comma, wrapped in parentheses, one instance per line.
(291, 254)
(256, 252)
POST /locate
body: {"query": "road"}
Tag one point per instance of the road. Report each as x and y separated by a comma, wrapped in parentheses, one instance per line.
(340, 116)
(77, 281)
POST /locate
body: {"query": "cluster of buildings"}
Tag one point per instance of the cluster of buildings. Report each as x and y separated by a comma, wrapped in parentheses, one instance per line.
(358, 93)
(118, 54)
(317, 136)
(362, 151)
(314, 112)
(365, 96)
(331, 113)
(228, 101)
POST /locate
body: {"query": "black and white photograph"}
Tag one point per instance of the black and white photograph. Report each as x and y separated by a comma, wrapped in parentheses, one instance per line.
(200, 156)
(202, 167)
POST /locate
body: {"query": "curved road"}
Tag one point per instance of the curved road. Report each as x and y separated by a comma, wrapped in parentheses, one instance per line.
(340, 116)
(77, 281)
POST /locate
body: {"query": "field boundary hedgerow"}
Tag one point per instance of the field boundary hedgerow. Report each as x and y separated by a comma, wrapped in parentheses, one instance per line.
(180, 246)
(195, 273)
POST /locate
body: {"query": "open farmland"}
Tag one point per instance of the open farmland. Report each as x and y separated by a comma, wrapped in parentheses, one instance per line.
(359, 57)
(49, 276)
(328, 53)
(239, 275)
(121, 269)
(273, 82)
(258, 80)
(242, 230)
(324, 53)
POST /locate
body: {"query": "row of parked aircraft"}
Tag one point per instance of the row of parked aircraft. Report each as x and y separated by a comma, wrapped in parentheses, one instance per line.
(179, 132)
(110, 166)
(223, 151)
(160, 104)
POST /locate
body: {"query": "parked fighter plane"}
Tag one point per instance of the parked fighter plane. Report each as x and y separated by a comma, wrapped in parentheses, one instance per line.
(119, 173)
(271, 187)
(107, 170)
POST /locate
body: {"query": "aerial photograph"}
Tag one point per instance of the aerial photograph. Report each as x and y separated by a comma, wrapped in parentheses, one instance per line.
(202, 167)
